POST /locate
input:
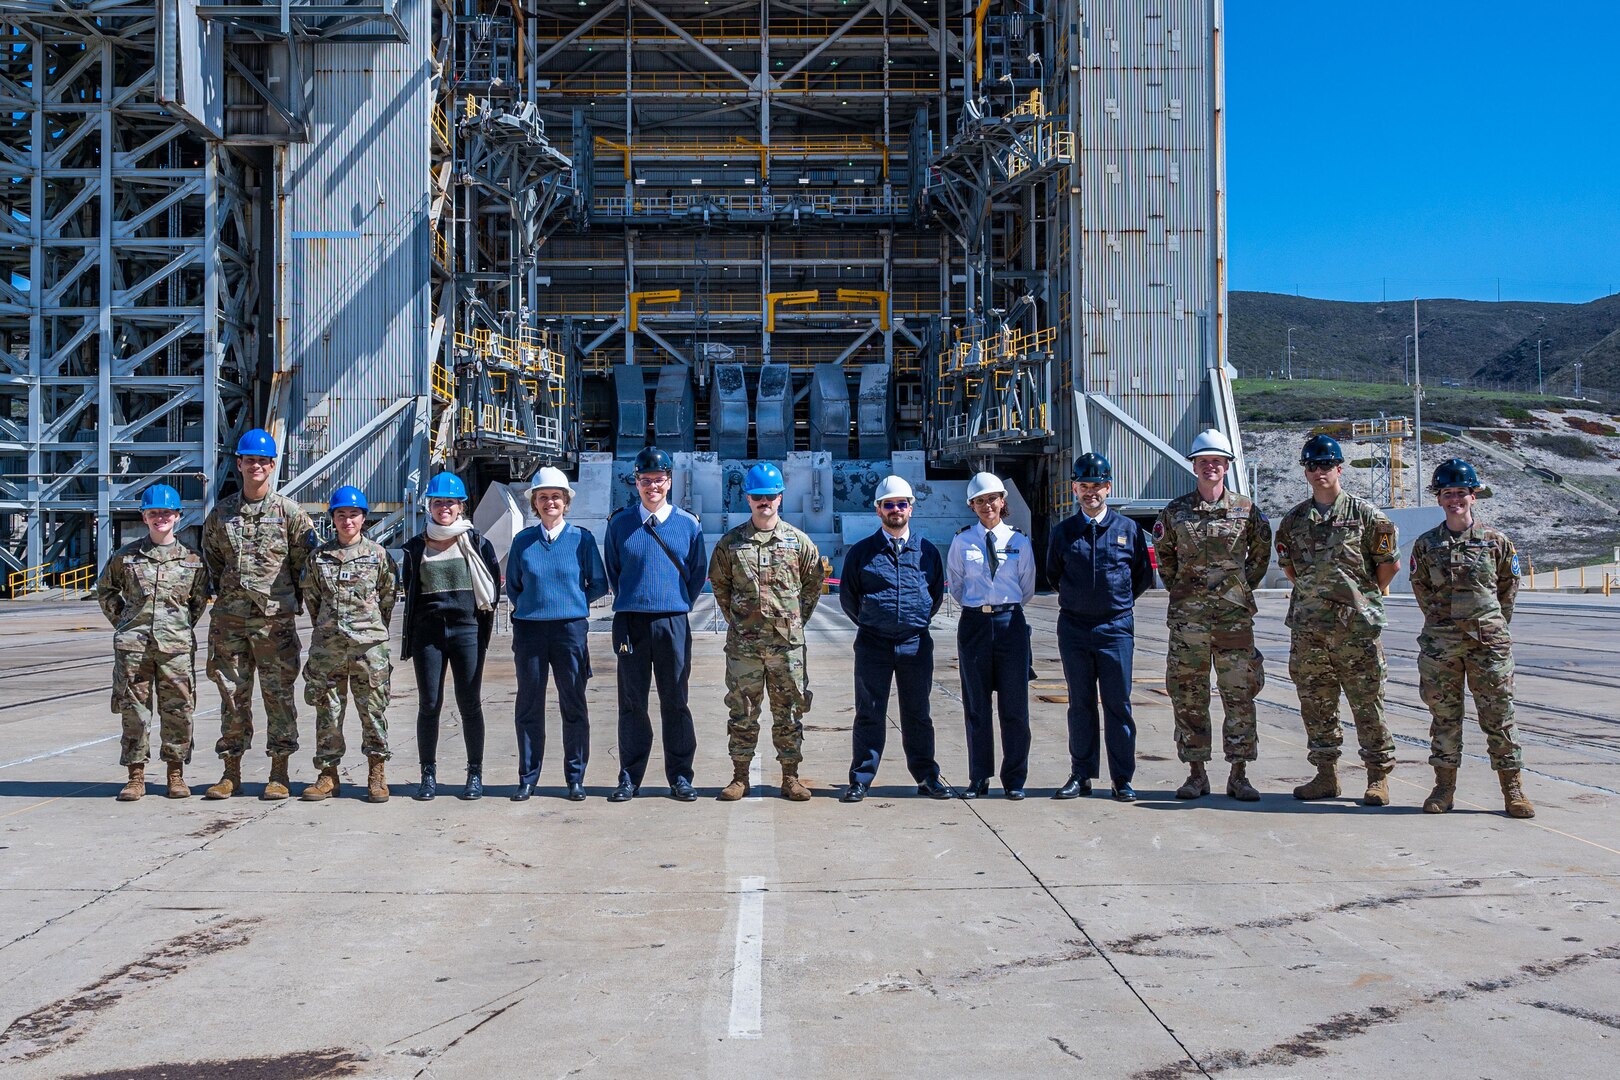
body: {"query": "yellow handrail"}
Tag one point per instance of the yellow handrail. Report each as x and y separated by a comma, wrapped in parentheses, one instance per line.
(78, 579)
(31, 579)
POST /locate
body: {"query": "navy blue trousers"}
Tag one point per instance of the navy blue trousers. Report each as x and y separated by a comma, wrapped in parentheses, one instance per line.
(993, 656)
(1097, 663)
(660, 648)
(542, 648)
(908, 666)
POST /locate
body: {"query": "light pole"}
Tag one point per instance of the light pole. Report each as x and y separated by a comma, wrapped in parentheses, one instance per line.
(1539, 389)
(1406, 360)
(1288, 355)
(1417, 398)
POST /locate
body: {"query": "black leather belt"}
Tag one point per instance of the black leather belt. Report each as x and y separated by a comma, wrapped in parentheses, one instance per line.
(990, 609)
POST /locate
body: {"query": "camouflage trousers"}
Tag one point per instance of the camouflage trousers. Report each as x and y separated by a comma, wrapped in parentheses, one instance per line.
(340, 670)
(238, 647)
(1445, 662)
(1322, 665)
(752, 672)
(137, 678)
(1239, 675)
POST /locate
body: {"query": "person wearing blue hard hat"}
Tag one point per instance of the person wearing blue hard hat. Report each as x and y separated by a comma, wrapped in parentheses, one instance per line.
(153, 591)
(350, 587)
(452, 582)
(256, 543)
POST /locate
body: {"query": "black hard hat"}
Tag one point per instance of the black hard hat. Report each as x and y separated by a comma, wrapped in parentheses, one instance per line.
(1455, 473)
(1321, 449)
(652, 459)
(1093, 469)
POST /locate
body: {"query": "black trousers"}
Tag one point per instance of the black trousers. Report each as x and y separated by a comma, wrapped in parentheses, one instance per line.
(439, 647)
(993, 656)
(1097, 665)
(649, 646)
(542, 648)
(908, 666)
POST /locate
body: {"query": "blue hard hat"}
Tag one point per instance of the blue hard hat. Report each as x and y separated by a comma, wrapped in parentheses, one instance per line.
(348, 495)
(446, 486)
(652, 459)
(1454, 473)
(763, 479)
(1092, 468)
(1321, 450)
(256, 442)
(160, 497)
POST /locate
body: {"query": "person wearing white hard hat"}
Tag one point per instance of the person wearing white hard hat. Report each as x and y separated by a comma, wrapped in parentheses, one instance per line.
(1213, 546)
(990, 570)
(892, 585)
(554, 573)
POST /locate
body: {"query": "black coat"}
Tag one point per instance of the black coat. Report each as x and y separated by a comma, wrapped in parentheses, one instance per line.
(411, 570)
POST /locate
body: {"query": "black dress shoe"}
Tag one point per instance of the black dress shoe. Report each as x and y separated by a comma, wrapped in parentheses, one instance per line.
(681, 790)
(576, 792)
(1016, 794)
(1124, 792)
(429, 786)
(975, 789)
(623, 793)
(523, 792)
(934, 788)
(1076, 787)
(475, 785)
(854, 793)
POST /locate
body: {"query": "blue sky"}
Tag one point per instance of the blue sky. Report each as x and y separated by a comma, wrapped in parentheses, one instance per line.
(1429, 148)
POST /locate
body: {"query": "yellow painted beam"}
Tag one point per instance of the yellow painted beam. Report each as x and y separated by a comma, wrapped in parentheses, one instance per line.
(803, 296)
(877, 296)
(654, 296)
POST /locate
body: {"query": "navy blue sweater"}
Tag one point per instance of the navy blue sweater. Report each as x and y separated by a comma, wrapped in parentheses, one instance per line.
(643, 577)
(1100, 567)
(889, 596)
(554, 579)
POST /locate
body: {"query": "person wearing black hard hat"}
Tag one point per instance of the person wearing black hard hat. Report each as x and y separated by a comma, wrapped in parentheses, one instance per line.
(1101, 562)
(1465, 576)
(1341, 553)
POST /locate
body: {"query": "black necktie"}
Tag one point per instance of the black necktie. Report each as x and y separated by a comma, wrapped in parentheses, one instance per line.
(898, 544)
(990, 550)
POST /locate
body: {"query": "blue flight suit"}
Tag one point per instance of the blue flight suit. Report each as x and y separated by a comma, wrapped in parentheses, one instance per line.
(891, 591)
(992, 644)
(1100, 568)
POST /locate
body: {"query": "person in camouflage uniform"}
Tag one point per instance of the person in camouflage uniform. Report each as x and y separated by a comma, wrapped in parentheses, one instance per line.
(350, 587)
(1341, 553)
(1465, 576)
(255, 544)
(1213, 547)
(766, 577)
(153, 591)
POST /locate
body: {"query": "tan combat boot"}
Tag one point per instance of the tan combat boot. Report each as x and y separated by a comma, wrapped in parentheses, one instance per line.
(738, 788)
(1377, 793)
(376, 782)
(136, 786)
(792, 788)
(1445, 790)
(229, 784)
(1513, 795)
(325, 786)
(177, 781)
(1325, 785)
(1238, 786)
(277, 787)
(1197, 783)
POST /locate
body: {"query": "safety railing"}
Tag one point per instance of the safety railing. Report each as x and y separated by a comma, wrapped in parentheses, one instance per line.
(554, 303)
(1006, 346)
(444, 383)
(79, 579)
(728, 31)
(31, 579)
(819, 83)
(441, 124)
(749, 202)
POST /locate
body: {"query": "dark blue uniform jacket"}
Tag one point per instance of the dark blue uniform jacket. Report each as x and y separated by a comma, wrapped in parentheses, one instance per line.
(889, 596)
(1100, 567)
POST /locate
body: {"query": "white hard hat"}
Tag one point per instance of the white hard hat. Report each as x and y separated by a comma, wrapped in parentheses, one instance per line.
(551, 477)
(985, 483)
(1210, 441)
(891, 487)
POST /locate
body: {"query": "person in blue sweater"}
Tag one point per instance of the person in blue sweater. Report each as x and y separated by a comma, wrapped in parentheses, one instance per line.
(553, 575)
(656, 564)
(1100, 562)
(892, 585)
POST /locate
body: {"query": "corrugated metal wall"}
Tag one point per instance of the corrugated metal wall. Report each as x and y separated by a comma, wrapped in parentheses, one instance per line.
(357, 220)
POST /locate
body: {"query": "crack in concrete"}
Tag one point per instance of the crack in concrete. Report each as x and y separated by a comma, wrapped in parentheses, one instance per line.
(1606, 1019)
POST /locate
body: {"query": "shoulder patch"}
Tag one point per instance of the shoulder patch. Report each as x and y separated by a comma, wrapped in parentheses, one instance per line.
(1158, 530)
(1515, 564)
(1411, 565)
(1384, 542)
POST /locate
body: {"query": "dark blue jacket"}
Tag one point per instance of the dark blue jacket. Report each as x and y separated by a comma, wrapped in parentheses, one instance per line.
(894, 598)
(1101, 567)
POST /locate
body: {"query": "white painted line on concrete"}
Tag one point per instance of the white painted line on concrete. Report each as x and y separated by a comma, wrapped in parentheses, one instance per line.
(756, 773)
(64, 750)
(746, 976)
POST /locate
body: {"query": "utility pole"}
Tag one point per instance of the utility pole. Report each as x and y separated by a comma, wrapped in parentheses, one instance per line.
(1417, 399)
(1288, 356)
(1577, 378)
(1539, 388)
(1406, 360)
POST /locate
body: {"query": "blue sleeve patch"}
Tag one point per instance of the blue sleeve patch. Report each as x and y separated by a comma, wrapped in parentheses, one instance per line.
(1515, 564)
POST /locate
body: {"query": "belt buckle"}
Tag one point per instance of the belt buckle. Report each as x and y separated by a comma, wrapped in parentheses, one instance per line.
(987, 608)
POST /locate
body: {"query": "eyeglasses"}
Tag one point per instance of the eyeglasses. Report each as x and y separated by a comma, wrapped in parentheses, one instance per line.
(654, 480)
(255, 462)
(896, 504)
(983, 500)
(1321, 466)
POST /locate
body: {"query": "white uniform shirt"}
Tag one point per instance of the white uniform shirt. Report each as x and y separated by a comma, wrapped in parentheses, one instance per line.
(662, 515)
(967, 567)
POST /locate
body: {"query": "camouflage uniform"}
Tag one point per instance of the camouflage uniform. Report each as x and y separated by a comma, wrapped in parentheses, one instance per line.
(350, 592)
(1466, 583)
(256, 553)
(154, 595)
(1212, 556)
(766, 584)
(1336, 614)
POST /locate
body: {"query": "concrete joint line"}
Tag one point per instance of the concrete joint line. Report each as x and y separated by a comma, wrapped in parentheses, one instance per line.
(746, 972)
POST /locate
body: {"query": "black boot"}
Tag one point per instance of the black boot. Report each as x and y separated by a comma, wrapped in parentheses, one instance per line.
(429, 786)
(475, 784)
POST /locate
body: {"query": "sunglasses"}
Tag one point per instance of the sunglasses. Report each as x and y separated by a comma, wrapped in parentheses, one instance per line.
(895, 504)
(1320, 466)
(763, 498)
